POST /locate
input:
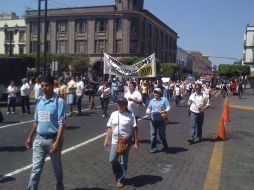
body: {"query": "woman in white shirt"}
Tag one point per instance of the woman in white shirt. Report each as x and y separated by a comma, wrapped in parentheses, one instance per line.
(121, 122)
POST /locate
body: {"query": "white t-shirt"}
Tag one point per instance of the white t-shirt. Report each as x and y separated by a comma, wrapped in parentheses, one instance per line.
(71, 85)
(207, 91)
(25, 89)
(125, 121)
(80, 88)
(198, 101)
(105, 93)
(177, 91)
(37, 90)
(12, 90)
(132, 106)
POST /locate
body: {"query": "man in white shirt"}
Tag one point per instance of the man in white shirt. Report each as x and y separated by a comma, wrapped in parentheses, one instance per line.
(197, 103)
(24, 96)
(134, 99)
(12, 91)
(37, 89)
(71, 95)
(79, 93)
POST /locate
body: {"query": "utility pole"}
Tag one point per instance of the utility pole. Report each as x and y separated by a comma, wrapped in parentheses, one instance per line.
(45, 36)
(38, 38)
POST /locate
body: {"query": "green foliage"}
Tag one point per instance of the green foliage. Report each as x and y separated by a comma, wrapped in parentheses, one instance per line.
(80, 63)
(235, 70)
(169, 70)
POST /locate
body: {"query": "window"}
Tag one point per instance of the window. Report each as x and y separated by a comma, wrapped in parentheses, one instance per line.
(101, 25)
(8, 36)
(80, 26)
(81, 46)
(133, 46)
(21, 49)
(134, 27)
(34, 28)
(119, 46)
(33, 46)
(7, 48)
(21, 36)
(149, 29)
(119, 24)
(100, 45)
(62, 26)
(61, 46)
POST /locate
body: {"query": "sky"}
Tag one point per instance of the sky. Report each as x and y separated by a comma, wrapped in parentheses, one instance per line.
(212, 27)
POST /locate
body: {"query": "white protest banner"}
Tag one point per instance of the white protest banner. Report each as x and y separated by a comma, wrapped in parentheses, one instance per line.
(142, 69)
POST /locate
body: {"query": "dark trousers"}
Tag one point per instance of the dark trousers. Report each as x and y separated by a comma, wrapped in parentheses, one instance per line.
(11, 103)
(79, 100)
(104, 105)
(25, 104)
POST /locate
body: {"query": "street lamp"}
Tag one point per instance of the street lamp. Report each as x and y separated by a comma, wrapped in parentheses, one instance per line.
(11, 32)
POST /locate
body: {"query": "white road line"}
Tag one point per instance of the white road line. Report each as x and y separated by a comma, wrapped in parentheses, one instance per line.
(24, 122)
(48, 158)
(14, 124)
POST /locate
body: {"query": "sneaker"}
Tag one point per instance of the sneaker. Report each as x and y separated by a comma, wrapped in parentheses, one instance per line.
(154, 151)
(13, 112)
(7, 112)
(191, 141)
(144, 105)
(119, 184)
(103, 116)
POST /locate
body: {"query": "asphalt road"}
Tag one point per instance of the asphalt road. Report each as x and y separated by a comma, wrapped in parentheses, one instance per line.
(85, 161)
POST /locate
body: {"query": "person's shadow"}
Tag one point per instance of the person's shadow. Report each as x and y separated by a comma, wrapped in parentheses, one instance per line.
(143, 180)
(4, 179)
(13, 149)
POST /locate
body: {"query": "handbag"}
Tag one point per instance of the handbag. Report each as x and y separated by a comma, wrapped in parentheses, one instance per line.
(122, 143)
(164, 115)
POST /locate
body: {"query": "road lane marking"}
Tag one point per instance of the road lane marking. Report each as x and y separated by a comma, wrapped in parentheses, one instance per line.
(30, 121)
(217, 94)
(241, 107)
(63, 152)
(212, 180)
(48, 158)
(14, 124)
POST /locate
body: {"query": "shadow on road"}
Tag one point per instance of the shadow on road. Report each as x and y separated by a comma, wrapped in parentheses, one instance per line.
(13, 149)
(174, 150)
(143, 180)
(4, 179)
(71, 127)
(95, 188)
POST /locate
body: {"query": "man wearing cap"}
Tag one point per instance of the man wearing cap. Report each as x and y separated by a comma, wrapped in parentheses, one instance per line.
(134, 99)
(157, 106)
(49, 125)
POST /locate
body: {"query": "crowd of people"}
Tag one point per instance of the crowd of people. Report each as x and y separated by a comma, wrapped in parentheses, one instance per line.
(51, 96)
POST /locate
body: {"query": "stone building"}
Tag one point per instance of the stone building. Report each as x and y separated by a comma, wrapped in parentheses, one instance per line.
(122, 30)
(12, 34)
(201, 63)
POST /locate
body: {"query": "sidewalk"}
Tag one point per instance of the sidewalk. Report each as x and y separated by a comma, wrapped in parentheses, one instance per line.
(238, 159)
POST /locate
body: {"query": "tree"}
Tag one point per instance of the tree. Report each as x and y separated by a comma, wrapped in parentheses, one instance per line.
(232, 71)
(169, 70)
(80, 63)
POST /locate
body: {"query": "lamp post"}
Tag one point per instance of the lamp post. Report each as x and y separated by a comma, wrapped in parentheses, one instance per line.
(10, 32)
(102, 65)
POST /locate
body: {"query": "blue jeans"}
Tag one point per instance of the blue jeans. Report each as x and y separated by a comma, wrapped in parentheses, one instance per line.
(41, 148)
(177, 100)
(114, 95)
(197, 120)
(119, 163)
(157, 125)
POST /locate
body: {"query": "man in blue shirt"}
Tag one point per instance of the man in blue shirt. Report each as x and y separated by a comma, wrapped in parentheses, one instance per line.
(49, 126)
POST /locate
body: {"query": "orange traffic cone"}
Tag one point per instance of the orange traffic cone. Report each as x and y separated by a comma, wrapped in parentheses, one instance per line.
(221, 132)
(225, 114)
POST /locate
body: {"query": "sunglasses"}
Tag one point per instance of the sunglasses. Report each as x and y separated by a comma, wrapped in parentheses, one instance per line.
(155, 92)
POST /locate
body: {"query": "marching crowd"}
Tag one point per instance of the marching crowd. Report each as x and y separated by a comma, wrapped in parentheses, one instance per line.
(46, 136)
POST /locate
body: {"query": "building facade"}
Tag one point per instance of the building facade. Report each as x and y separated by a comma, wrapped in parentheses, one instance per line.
(122, 30)
(248, 53)
(201, 63)
(12, 34)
